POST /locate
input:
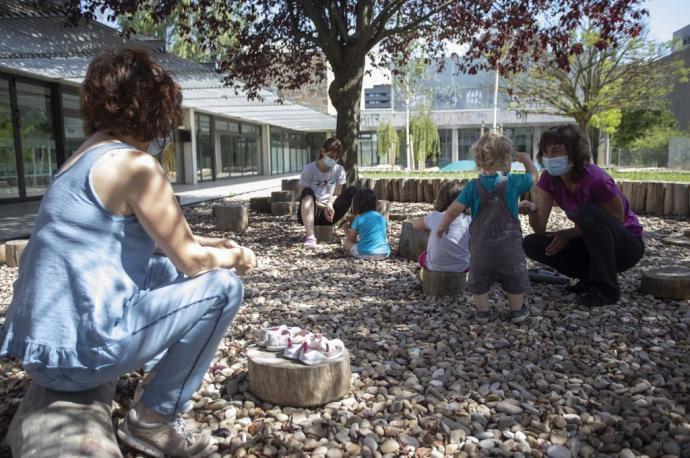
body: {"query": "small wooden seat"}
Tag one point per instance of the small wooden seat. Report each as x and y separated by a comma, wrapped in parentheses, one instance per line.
(443, 283)
(260, 204)
(231, 217)
(13, 251)
(323, 233)
(412, 242)
(666, 283)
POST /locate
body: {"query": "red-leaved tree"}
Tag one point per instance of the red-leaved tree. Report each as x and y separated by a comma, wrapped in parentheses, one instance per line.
(285, 43)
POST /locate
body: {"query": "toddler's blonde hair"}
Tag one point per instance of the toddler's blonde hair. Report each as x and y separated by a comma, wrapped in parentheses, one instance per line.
(492, 151)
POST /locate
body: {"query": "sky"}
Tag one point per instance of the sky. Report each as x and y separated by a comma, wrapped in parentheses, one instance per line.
(667, 16)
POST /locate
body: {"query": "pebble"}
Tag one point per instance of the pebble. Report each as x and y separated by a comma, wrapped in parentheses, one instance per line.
(390, 446)
(558, 451)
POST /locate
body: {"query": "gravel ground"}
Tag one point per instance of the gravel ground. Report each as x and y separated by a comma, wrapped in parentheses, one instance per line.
(427, 380)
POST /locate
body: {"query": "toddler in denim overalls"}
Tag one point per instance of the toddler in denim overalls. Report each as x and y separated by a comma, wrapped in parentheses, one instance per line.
(496, 252)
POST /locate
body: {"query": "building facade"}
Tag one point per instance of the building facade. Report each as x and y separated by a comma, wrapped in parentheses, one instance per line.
(223, 135)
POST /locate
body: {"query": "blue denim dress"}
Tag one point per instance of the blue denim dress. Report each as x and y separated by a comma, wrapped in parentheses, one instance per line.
(82, 267)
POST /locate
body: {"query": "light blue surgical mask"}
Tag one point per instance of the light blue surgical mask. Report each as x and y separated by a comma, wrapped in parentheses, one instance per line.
(158, 145)
(556, 166)
(329, 162)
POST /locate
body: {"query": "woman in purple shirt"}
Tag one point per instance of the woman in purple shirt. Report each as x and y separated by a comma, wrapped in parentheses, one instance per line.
(606, 237)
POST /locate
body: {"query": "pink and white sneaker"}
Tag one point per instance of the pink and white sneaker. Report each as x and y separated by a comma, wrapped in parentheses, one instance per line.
(278, 341)
(294, 346)
(310, 242)
(321, 351)
(268, 331)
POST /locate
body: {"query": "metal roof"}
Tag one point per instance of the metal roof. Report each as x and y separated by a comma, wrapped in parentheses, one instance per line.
(45, 47)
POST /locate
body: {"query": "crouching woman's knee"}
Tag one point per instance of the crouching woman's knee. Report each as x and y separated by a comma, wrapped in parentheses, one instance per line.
(228, 287)
(589, 214)
(534, 246)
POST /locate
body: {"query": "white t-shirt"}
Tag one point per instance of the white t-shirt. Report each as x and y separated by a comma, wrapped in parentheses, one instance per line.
(452, 252)
(322, 183)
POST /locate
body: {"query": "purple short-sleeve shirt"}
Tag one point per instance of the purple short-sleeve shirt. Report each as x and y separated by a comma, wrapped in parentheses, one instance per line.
(594, 186)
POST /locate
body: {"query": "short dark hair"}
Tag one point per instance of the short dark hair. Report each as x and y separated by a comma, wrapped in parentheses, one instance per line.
(447, 194)
(126, 92)
(574, 141)
(364, 201)
(332, 144)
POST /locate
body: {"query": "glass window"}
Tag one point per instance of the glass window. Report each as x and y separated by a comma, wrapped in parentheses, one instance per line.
(37, 136)
(467, 137)
(9, 185)
(276, 153)
(74, 129)
(446, 153)
(204, 150)
(521, 138)
(252, 163)
(251, 129)
(225, 146)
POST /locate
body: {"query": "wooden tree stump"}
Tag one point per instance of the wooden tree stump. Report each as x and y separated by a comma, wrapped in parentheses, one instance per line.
(666, 283)
(681, 198)
(412, 242)
(438, 182)
(393, 194)
(383, 206)
(676, 241)
(411, 190)
(443, 283)
(323, 233)
(13, 252)
(282, 196)
(639, 196)
(282, 208)
(231, 217)
(55, 424)
(290, 184)
(286, 382)
(3, 258)
(654, 203)
(626, 187)
(260, 204)
(404, 190)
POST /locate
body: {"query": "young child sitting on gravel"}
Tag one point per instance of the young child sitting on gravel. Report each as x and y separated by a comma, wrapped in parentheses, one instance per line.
(367, 237)
(452, 252)
(495, 236)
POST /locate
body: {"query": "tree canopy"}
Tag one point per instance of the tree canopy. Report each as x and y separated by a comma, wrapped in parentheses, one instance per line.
(287, 43)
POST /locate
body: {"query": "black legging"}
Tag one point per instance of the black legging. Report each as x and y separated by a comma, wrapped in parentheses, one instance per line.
(604, 249)
(340, 206)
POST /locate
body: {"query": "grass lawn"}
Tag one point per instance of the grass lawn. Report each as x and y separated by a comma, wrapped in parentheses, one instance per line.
(682, 176)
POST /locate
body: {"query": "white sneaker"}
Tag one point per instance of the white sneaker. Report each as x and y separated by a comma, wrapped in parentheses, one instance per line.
(266, 332)
(321, 351)
(278, 341)
(294, 346)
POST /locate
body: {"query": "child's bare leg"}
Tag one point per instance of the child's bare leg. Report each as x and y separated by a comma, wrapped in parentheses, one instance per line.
(481, 301)
(516, 301)
(347, 246)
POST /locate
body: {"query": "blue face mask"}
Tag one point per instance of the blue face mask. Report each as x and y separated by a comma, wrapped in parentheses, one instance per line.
(158, 145)
(328, 162)
(556, 166)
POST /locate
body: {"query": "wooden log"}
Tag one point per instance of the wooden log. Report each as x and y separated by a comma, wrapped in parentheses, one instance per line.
(639, 196)
(654, 203)
(381, 189)
(286, 382)
(443, 283)
(281, 208)
(383, 206)
(53, 423)
(438, 182)
(626, 187)
(260, 204)
(282, 196)
(666, 283)
(420, 190)
(231, 217)
(13, 252)
(403, 190)
(412, 242)
(681, 200)
(291, 184)
(676, 241)
(668, 199)
(428, 191)
(323, 233)
(393, 194)
(411, 190)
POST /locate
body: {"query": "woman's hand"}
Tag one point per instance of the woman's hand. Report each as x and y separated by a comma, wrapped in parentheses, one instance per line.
(526, 207)
(442, 229)
(560, 240)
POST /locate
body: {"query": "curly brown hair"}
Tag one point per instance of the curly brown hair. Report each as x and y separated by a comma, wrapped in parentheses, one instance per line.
(492, 150)
(126, 92)
(574, 141)
(332, 144)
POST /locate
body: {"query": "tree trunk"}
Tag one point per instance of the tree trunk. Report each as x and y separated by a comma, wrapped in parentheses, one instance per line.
(594, 142)
(345, 92)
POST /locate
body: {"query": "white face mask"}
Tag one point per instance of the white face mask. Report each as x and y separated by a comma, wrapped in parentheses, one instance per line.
(328, 162)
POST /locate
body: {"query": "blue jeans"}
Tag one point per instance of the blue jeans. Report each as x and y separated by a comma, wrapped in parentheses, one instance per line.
(176, 322)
